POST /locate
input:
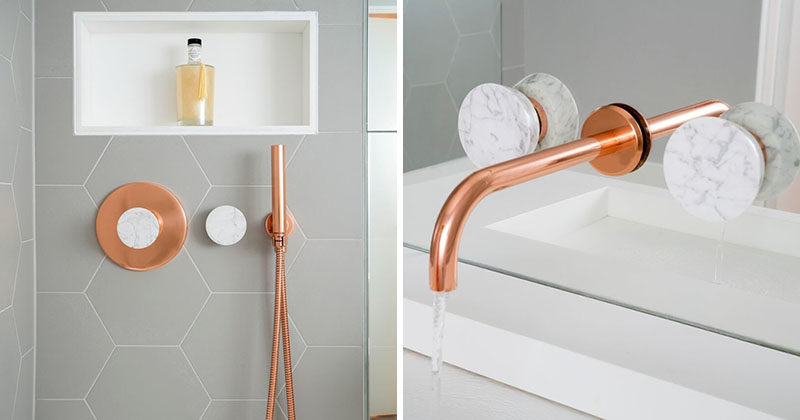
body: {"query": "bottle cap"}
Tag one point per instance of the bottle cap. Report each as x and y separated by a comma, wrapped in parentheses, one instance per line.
(194, 41)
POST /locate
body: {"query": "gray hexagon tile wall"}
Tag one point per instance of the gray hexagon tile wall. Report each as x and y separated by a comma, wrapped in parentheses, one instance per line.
(17, 276)
(189, 340)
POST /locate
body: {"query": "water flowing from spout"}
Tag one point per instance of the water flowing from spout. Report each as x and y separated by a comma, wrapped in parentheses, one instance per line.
(439, 308)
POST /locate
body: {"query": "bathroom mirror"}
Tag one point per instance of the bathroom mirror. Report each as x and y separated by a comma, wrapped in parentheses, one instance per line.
(625, 240)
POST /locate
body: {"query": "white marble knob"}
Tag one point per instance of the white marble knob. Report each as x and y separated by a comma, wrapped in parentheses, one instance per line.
(559, 106)
(226, 225)
(781, 143)
(497, 123)
(138, 228)
(714, 168)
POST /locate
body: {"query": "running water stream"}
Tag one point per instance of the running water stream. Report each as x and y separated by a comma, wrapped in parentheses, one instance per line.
(439, 308)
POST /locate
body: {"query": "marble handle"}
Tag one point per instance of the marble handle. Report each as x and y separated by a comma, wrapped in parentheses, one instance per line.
(497, 123)
(713, 168)
(226, 225)
(138, 228)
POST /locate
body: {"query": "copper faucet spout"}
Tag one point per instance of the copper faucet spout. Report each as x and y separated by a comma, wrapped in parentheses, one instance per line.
(459, 205)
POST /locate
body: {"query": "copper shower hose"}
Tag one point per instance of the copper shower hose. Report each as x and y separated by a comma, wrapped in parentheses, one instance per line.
(280, 327)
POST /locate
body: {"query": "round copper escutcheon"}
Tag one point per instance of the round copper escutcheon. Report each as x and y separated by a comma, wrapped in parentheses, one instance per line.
(289, 225)
(628, 156)
(158, 200)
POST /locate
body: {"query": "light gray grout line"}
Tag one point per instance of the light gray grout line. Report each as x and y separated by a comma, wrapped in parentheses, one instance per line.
(27, 352)
(60, 399)
(191, 3)
(7, 59)
(194, 321)
(26, 17)
(94, 274)
(27, 240)
(103, 3)
(16, 390)
(100, 372)
(26, 129)
(489, 32)
(97, 314)
(16, 331)
(147, 346)
(325, 346)
(6, 308)
(240, 399)
(243, 293)
(334, 239)
(199, 204)
(452, 18)
(97, 162)
(191, 366)
(200, 273)
(514, 67)
(191, 152)
(59, 185)
(294, 152)
(58, 293)
(16, 157)
(14, 43)
(91, 411)
(6, 183)
(294, 2)
(280, 406)
(16, 210)
(305, 343)
(16, 276)
(299, 358)
(90, 196)
(208, 404)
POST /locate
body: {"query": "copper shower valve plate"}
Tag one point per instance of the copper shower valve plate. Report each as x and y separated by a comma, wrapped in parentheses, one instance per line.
(624, 158)
(168, 211)
(289, 224)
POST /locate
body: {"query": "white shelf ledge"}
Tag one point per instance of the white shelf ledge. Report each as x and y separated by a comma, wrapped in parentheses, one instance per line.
(266, 70)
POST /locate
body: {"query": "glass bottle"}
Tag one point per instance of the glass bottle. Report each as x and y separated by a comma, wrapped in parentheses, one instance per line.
(194, 83)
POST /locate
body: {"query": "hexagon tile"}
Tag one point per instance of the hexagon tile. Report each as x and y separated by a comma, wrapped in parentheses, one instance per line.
(249, 265)
(430, 38)
(150, 307)
(430, 126)
(238, 326)
(72, 346)
(326, 305)
(165, 160)
(147, 383)
(67, 250)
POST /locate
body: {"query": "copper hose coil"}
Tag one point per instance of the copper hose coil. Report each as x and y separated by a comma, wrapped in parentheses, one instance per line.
(280, 327)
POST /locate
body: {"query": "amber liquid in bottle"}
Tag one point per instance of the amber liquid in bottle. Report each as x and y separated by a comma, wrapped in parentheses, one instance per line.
(194, 84)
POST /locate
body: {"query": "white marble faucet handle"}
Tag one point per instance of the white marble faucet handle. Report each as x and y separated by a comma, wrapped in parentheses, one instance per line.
(226, 225)
(781, 144)
(497, 123)
(138, 228)
(559, 105)
(714, 168)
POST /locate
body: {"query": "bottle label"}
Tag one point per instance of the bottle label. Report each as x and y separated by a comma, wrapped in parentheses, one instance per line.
(194, 53)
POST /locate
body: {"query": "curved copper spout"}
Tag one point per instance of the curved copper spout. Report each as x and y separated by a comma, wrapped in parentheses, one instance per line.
(459, 205)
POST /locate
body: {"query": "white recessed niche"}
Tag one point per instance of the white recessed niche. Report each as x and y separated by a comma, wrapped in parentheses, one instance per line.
(266, 71)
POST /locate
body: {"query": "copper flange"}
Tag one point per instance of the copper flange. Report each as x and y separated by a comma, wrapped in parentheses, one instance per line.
(289, 225)
(542, 117)
(167, 209)
(625, 157)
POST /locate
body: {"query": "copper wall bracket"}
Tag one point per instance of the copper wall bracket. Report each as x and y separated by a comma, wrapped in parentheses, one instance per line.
(289, 225)
(168, 211)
